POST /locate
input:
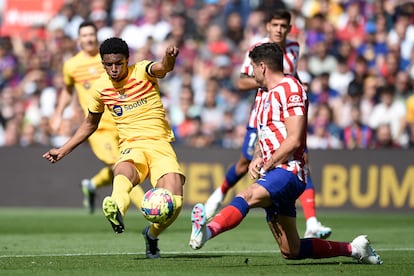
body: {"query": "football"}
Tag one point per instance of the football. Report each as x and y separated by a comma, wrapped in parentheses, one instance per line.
(158, 205)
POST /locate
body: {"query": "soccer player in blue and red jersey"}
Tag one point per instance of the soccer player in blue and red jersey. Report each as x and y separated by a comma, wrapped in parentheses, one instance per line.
(278, 170)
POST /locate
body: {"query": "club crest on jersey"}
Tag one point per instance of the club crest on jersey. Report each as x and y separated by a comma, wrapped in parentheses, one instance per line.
(86, 85)
(118, 110)
(122, 94)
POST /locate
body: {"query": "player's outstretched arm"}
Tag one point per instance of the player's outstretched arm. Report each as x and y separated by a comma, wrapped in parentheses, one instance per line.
(89, 125)
(160, 69)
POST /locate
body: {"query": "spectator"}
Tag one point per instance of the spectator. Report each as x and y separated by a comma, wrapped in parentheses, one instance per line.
(340, 78)
(351, 24)
(332, 134)
(349, 101)
(182, 115)
(321, 93)
(322, 61)
(210, 40)
(369, 97)
(389, 112)
(68, 20)
(357, 135)
(383, 138)
(8, 63)
(320, 138)
(211, 112)
(403, 86)
(373, 46)
(401, 38)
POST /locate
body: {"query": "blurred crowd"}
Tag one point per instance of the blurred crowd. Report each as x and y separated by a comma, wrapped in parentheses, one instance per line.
(356, 59)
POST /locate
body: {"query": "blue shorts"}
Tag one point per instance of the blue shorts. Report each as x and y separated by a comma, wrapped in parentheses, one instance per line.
(284, 188)
(249, 143)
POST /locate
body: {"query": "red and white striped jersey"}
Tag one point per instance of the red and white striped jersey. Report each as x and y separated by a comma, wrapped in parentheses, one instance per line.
(273, 106)
(290, 57)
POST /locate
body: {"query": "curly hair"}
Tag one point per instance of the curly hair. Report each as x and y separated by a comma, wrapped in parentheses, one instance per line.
(114, 45)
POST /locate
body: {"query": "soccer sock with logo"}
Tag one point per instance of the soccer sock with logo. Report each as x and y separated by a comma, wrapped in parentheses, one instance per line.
(318, 248)
(103, 177)
(120, 192)
(229, 217)
(156, 228)
(307, 200)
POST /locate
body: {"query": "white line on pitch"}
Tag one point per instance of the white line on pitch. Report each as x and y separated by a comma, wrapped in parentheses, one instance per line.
(170, 253)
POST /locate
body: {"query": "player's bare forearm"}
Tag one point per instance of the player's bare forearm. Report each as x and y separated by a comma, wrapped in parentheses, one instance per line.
(167, 64)
(84, 131)
(246, 83)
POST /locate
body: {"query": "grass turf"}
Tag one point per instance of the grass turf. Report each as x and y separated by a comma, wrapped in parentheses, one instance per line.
(72, 242)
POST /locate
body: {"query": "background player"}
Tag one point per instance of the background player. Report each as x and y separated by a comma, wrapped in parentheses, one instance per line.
(278, 169)
(79, 72)
(278, 27)
(131, 93)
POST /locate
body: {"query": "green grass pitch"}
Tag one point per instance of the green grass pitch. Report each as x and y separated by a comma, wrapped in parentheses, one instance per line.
(72, 242)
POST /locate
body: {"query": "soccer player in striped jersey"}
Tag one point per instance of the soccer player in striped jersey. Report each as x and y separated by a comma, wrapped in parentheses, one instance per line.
(278, 170)
(278, 26)
(79, 73)
(131, 94)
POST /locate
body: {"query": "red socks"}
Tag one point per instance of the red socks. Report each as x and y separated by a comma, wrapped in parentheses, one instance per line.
(228, 218)
(307, 199)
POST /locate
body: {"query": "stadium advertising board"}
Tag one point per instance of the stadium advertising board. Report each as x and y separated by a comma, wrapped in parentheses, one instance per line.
(344, 180)
(19, 16)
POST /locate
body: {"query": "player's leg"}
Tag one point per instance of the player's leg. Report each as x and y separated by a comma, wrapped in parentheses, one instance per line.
(282, 223)
(165, 173)
(233, 174)
(136, 195)
(291, 247)
(116, 205)
(314, 228)
(228, 218)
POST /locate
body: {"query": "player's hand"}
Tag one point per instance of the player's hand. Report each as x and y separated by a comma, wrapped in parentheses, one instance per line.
(53, 155)
(255, 167)
(172, 51)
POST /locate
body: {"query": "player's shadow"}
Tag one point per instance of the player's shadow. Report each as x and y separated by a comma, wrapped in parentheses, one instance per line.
(323, 263)
(185, 256)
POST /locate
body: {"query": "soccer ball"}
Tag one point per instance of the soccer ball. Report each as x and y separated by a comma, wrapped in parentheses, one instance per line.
(158, 205)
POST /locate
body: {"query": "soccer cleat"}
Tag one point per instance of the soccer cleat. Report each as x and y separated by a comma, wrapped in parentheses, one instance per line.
(151, 251)
(112, 213)
(213, 203)
(320, 232)
(199, 227)
(363, 252)
(88, 195)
